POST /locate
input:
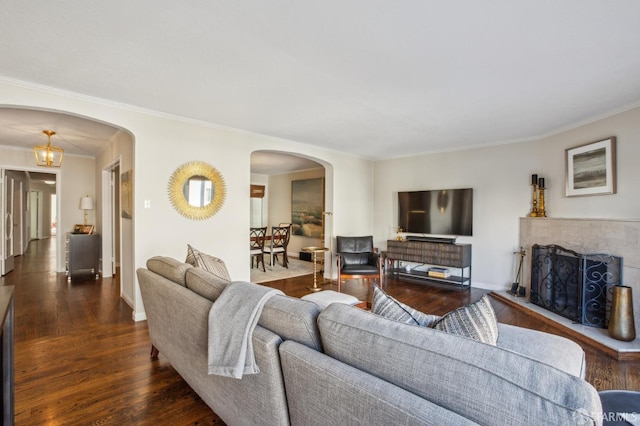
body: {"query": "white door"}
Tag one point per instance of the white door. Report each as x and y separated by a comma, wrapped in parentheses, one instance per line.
(6, 228)
(34, 211)
(18, 216)
(115, 220)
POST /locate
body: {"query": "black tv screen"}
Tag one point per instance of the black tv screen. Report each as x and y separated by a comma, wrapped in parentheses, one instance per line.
(437, 212)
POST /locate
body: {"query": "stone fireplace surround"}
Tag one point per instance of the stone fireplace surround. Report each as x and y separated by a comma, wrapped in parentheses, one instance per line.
(618, 237)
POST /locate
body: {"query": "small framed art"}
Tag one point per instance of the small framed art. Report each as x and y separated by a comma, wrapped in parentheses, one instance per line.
(591, 168)
(87, 229)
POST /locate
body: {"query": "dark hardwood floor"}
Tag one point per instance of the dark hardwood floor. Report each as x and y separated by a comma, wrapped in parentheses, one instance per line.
(81, 360)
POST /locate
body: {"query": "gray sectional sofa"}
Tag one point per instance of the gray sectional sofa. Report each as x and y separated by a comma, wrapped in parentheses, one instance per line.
(344, 365)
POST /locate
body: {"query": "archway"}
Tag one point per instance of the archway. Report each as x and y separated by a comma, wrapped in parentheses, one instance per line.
(90, 145)
(278, 172)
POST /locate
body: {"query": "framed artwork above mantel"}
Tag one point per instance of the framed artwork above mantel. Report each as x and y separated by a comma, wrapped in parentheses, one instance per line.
(591, 168)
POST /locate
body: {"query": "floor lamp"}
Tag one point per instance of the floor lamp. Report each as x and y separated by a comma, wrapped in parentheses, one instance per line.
(324, 214)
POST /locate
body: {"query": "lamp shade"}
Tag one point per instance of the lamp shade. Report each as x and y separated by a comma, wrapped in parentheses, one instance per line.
(86, 203)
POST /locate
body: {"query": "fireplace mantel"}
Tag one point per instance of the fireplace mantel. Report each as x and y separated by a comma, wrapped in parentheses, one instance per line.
(617, 237)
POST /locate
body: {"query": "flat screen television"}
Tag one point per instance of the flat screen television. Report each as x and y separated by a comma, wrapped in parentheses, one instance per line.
(436, 212)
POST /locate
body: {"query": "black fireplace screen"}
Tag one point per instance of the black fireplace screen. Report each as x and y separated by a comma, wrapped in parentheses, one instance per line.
(576, 286)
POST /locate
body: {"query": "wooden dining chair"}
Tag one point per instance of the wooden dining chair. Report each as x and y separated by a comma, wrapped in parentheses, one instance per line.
(278, 244)
(256, 242)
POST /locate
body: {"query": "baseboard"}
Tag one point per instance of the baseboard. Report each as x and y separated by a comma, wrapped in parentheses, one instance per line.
(128, 301)
(139, 316)
(485, 286)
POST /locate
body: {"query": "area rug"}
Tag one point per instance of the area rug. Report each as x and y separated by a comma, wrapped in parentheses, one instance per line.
(296, 268)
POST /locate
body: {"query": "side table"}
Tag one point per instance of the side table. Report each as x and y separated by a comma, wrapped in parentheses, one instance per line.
(315, 251)
(83, 253)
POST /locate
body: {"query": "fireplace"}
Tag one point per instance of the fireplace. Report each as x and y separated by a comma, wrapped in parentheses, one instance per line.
(574, 285)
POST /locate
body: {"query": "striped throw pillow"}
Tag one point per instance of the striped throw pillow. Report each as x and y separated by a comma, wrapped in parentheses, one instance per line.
(476, 321)
(207, 262)
(390, 308)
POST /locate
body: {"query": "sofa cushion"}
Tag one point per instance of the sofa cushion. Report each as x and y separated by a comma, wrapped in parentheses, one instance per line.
(169, 268)
(207, 262)
(484, 383)
(556, 351)
(388, 307)
(476, 321)
(292, 319)
(205, 283)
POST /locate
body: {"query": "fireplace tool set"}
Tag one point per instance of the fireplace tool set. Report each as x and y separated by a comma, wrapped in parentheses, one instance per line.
(517, 289)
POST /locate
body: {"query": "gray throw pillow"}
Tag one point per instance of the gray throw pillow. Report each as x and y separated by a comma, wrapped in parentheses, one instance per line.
(388, 307)
(207, 262)
(476, 321)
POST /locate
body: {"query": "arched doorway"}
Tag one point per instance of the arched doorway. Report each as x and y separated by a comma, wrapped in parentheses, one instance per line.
(280, 173)
(89, 146)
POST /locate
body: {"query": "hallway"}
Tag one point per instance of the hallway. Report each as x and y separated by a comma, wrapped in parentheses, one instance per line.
(80, 358)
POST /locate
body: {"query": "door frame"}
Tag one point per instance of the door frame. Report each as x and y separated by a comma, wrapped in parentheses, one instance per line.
(58, 174)
(6, 227)
(109, 217)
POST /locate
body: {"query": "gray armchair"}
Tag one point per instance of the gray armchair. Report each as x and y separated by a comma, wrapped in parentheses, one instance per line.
(357, 258)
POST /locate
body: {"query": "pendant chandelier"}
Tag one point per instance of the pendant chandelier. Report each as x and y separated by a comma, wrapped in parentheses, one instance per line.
(47, 155)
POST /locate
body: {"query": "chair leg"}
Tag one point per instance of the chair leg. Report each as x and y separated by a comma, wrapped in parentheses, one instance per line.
(261, 260)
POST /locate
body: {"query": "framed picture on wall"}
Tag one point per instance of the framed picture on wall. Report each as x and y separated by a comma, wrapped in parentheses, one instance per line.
(87, 229)
(126, 194)
(591, 168)
(307, 203)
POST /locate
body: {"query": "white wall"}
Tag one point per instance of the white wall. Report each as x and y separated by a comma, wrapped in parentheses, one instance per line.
(360, 195)
(500, 176)
(163, 143)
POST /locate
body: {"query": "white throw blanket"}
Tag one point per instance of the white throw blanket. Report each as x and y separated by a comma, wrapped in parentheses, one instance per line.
(232, 318)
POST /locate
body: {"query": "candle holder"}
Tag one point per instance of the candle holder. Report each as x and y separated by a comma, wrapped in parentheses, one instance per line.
(541, 211)
(534, 201)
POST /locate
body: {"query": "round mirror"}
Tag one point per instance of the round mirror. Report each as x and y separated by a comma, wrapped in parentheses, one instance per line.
(196, 190)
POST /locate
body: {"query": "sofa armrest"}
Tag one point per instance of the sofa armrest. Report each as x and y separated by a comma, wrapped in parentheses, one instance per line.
(556, 351)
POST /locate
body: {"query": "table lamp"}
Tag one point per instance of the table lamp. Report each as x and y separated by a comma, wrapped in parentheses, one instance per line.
(86, 203)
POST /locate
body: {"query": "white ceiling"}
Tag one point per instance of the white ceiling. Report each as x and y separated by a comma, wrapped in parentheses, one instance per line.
(275, 163)
(23, 128)
(376, 78)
